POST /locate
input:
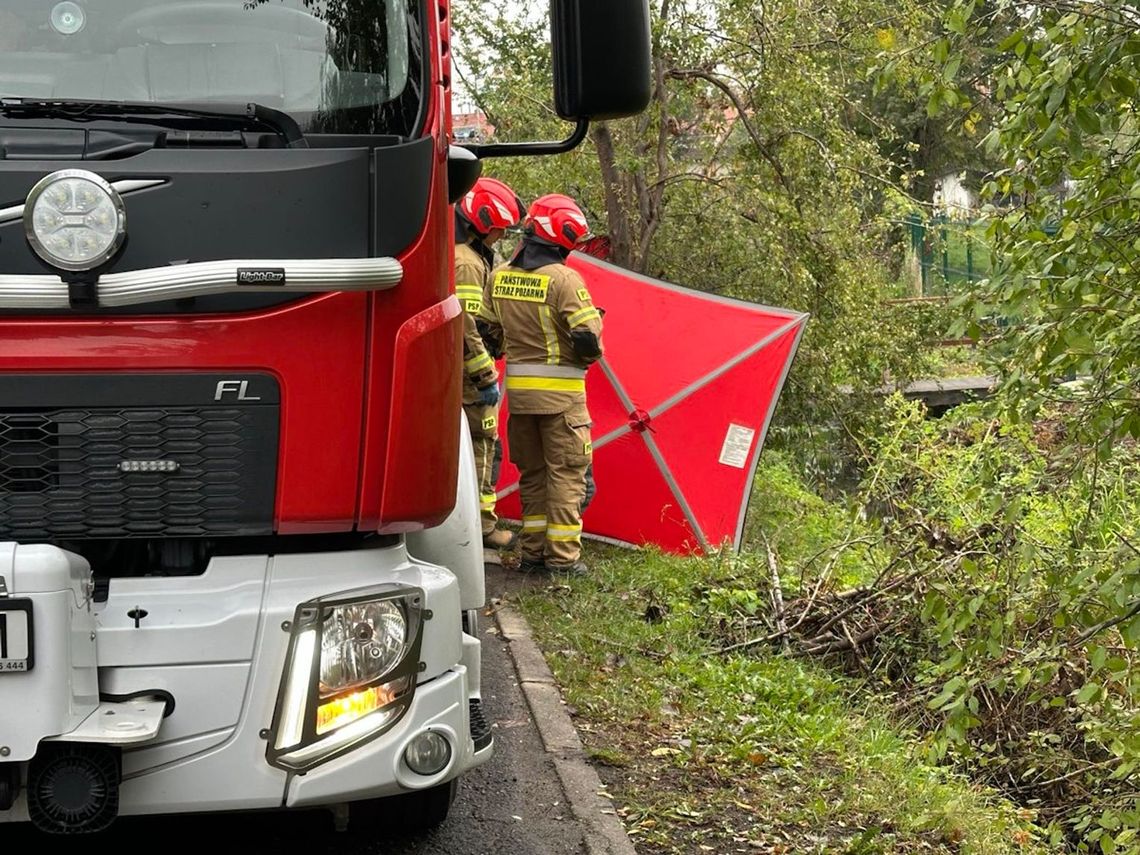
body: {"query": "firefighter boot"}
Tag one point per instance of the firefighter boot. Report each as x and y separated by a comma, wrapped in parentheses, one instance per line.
(500, 539)
(575, 570)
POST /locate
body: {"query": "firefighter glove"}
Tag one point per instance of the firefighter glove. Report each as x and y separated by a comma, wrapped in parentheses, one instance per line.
(489, 396)
(492, 339)
(586, 344)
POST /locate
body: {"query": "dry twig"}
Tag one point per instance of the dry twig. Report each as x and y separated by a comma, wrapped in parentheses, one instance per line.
(777, 594)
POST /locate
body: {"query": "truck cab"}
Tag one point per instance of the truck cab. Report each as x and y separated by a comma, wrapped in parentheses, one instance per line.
(239, 539)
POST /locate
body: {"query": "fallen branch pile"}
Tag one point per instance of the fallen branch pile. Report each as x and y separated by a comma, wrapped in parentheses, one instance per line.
(824, 623)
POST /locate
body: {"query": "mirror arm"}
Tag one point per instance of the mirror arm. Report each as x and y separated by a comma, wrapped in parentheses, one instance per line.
(532, 149)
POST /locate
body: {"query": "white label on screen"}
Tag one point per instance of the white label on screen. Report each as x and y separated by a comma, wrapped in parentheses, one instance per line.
(737, 446)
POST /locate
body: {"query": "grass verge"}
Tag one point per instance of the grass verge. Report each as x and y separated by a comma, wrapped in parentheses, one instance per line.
(704, 752)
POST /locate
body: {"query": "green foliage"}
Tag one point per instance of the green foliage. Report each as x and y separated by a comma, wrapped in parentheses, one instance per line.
(924, 144)
(1027, 633)
(1066, 223)
(805, 531)
(730, 751)
(1012, 636)
(1036, 634)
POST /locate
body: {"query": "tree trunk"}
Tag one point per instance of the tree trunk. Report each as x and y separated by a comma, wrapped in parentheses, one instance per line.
(621, 240)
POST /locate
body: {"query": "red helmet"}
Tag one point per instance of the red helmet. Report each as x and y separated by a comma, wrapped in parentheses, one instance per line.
(558, 219)
(491, 204)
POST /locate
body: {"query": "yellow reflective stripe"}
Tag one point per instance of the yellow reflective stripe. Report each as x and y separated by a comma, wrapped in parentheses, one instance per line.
(553, 351)
(485, 468)
(545, 384)
(488, 502)
(566, 529)
(534, 523)
(478, 363)
(564, 533)
(569, 371)
(472, 297)
(583, 315)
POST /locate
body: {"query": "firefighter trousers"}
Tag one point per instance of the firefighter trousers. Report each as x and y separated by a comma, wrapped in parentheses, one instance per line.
(484, 424)
(552, 453)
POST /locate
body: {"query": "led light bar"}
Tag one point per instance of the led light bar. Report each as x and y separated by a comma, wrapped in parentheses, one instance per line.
(149, 466)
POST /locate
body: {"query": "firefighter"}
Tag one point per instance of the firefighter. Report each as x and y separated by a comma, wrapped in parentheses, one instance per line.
(541, 315)
(482, 218)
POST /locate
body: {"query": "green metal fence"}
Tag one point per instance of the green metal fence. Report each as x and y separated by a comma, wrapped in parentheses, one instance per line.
(950, 254)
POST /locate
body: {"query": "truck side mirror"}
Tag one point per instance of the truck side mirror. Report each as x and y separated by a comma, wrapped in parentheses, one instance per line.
(602, 69)
(602, 58)
(463, 170)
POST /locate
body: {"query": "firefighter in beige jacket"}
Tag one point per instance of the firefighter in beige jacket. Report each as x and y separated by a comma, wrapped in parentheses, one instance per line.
(481, 219)
(540, 314)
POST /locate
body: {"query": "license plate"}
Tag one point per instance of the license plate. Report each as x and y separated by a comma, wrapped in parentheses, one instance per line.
(16, 636)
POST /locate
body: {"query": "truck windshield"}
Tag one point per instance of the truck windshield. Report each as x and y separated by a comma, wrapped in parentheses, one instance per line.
(337, 66)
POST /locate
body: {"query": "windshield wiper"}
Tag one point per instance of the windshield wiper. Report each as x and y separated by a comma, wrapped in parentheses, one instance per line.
(179, 116)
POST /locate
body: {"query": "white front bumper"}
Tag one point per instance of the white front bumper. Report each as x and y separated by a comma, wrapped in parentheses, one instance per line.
(377, 769)
(216, 643)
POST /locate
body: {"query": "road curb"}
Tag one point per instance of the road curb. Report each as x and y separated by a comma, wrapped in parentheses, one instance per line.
(603, 831)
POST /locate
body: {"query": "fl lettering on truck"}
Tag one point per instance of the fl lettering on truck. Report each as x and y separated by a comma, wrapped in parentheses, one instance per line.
(231, 574)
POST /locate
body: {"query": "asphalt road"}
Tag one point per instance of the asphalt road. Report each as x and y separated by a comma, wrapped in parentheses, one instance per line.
(512, 805)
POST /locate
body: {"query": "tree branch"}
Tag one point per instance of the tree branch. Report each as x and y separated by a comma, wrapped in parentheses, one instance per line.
(761, 145)
(1107, 624)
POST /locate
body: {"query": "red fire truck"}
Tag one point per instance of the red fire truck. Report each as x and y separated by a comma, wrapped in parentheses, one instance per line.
(239, 542)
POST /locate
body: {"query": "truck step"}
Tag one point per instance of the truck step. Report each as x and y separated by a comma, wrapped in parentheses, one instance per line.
(125, 723)
(480, 729)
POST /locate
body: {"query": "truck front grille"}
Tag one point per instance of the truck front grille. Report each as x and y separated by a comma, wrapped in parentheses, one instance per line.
(30, 462)
(110, 466)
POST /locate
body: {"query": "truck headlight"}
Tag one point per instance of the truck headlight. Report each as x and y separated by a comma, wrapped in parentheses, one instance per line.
(350, 675)
(74, 220)
(360, 643)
